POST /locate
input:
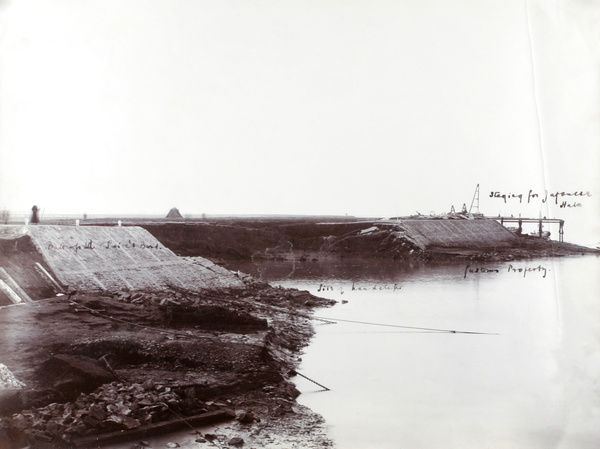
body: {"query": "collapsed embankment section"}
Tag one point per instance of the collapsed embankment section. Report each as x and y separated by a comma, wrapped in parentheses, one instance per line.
(249, 238)
(101, 258)
(427, 239)
(262, 239)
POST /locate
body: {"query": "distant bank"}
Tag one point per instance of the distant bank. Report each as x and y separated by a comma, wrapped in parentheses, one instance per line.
(307, 238)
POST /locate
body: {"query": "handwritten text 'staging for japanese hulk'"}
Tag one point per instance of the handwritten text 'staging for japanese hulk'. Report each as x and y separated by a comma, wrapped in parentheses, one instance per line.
(572, 197)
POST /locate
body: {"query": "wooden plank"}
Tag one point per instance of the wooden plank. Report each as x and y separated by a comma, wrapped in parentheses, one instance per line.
(9, 292)
(40, 269)
(152, 429)
(13, 285)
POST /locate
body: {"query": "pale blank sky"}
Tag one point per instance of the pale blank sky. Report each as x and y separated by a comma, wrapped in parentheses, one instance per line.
(298, 107)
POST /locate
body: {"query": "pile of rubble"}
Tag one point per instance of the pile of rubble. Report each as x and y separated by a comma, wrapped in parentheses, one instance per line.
(255, 291)
(112, 407)
(148, 298)
(196, 355)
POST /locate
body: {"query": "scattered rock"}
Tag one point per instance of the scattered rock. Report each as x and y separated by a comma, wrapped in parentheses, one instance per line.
(236, 441)
(114, 406)
(97, 412)
(130, 423)
(292, 391)
(72, 374)
(244, 417)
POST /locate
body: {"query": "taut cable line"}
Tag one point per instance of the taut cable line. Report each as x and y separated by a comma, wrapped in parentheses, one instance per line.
(432, 329)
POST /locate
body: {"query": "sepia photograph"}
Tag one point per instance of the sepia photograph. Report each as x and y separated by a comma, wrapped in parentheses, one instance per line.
(299, 224)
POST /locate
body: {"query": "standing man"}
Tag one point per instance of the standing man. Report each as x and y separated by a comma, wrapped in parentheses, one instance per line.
(34, 215)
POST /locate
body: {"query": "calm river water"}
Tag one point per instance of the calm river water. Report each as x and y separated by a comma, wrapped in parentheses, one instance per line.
(531, 380)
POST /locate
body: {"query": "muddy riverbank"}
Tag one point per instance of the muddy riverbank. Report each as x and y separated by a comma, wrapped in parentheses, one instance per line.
(95, 364)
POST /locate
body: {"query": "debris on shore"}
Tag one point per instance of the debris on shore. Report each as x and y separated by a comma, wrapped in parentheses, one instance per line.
(98, 364)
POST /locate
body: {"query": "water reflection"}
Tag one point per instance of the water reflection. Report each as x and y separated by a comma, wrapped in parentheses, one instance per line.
(533, 385)
(329, 268)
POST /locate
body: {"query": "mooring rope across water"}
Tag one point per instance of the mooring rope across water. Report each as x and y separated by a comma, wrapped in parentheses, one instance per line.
(321, 320)
(429, 329)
